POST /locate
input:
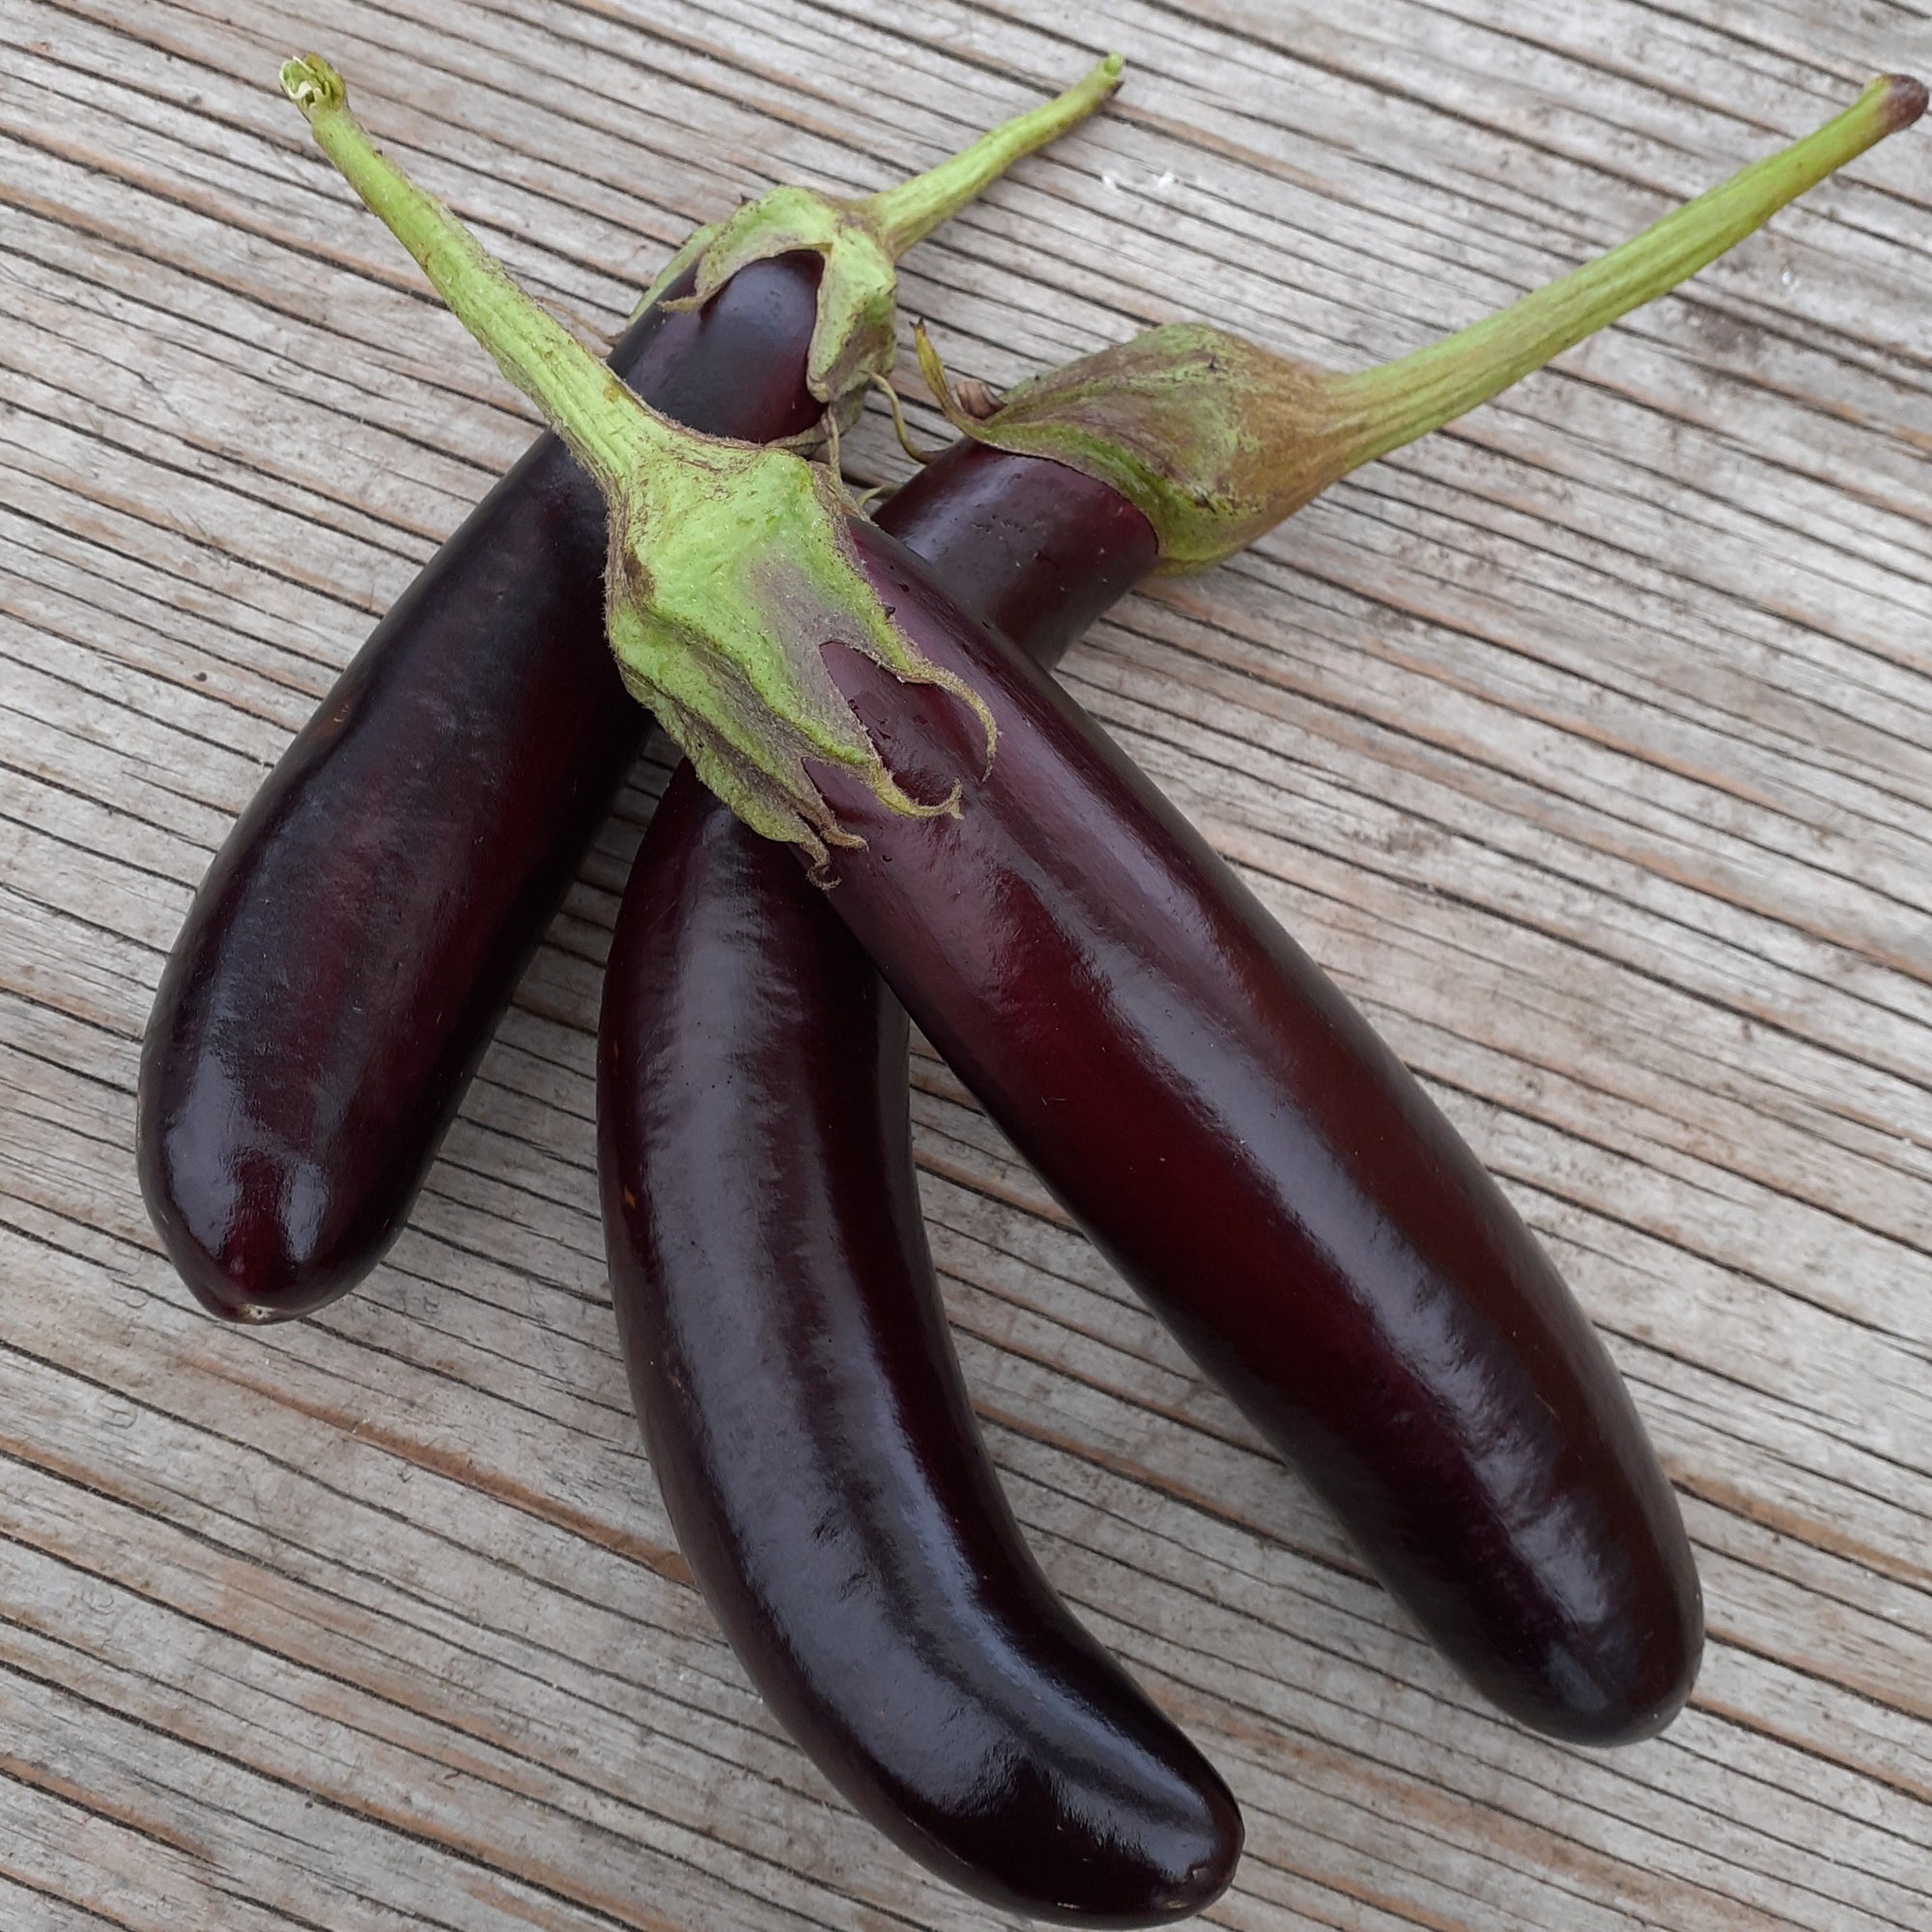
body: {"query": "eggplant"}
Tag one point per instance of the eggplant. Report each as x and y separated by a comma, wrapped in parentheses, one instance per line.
(361, 929)
(1274, 1183)
(1185, 1079)
(1257, 1162)
(803, 1406)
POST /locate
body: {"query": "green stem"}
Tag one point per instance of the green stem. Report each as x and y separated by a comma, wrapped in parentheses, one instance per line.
(1405, 399)
(910, 211)
(608, 429)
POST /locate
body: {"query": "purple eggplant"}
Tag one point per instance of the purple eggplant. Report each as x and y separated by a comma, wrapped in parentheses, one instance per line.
(362, 929)
(803, 1406)
(1274, 1183)
(1259, 1164)
(347, 955)
(1188, 1083)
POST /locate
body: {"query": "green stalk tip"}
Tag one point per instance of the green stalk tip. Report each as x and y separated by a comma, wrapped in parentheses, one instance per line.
(910, 211)
(312, 84)
(604, 424)
(1408, 398)
(1905, 100)
(730, 568)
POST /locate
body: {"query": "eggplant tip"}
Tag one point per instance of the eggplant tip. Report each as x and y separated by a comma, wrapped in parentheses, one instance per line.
(1146, 1850)
(1628, 1698)
(244, 1269)
(1182, 1876)
(229, 1300)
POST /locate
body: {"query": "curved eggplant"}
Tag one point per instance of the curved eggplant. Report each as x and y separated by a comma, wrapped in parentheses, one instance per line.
(364, 925)
(1268, 1176)
(796, 1384)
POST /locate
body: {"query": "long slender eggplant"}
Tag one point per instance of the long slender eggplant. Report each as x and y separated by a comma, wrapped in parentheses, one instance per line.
(347, 955)
(1276, 1184)
(1192, 1088)
(803, 1406)
(361, 931)
(1258, 1163)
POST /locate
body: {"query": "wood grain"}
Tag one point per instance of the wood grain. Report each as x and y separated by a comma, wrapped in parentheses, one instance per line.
(1588, 743)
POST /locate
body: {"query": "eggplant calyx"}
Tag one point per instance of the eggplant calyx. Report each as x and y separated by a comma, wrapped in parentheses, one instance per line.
(860, 241)
(731, 564)
(1216, 440)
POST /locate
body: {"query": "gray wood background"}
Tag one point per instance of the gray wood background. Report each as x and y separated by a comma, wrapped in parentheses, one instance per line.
(1586, 744)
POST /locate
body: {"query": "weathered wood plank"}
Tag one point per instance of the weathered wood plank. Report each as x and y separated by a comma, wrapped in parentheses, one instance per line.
(1586, 744)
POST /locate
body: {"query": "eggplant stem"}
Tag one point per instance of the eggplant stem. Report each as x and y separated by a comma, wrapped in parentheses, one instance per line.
(731, 567)
(910, 211)
(1419, 392)
(1214, 441)
(608, 429)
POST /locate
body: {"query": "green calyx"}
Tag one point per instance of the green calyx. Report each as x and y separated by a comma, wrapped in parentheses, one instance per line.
(1216, 440)
(1212, 440)
(731, 567)
(727, 577)
(861, 241)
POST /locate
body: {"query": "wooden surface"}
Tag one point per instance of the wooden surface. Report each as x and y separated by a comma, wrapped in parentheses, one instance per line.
(1587, 745)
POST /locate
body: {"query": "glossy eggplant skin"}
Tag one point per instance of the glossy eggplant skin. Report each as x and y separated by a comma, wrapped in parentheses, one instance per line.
(800, 1396)
(1270, 1178)
(361, 930)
